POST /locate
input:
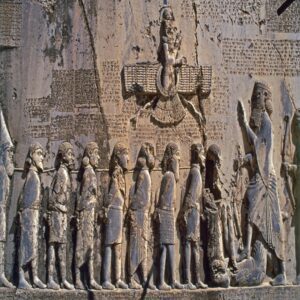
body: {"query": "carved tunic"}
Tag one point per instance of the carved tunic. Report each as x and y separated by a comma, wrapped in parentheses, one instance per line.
(262, 195)
(59, 199)
(165, 209)
(191, 205)
(86, 216)
(4, 193)
(114, 205)
(140, 198)
(29, 217)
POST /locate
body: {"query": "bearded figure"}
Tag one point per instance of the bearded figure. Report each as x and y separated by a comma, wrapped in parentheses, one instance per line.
(165, 215)
(190, 216)
(140, 202)
(30, 202)
(264, 230)
(6, 172)
(114, 217)
(86, 218)
(60, 193)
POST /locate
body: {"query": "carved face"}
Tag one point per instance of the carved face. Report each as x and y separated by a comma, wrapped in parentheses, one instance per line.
(123, 159)
(168, 14)
(8, 156)
(94, 157)
(69, 159)
(198, 155)
(174, 164)
(37, 159)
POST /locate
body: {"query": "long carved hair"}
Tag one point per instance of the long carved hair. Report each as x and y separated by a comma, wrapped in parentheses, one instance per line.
(28, 161)
(119, 149)
(170, 151)
(146, 155)
(86, 158)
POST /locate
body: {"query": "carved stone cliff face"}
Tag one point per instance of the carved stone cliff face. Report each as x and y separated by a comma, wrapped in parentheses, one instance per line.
(89, 70)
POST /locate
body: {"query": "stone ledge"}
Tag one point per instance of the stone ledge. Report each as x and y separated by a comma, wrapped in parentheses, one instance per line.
(254, 293)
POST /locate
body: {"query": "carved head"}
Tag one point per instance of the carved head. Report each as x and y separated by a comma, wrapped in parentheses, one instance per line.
(197, 154)
(91, 155)
(119, 157)
(146, 156)
(214, 154)
(7, 158)
(35, 157)
(166, 13)
(261, 101)
(65, 155)
(6, 147)
(219, 273)
(171, 159)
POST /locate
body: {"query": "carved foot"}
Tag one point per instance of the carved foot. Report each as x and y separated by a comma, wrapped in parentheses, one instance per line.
(38, 283)
(280, 279)
(297, 280)
(52, 285)
(4, 282)
(79, 285)
(134, 285)
(108, 286)
(177, 285)
(150, 286)
(120, 284)
(164, 287)
(201, 285)
(23, 284)
(94, 285)
(190, 286)
(243, 255)
(67, 285)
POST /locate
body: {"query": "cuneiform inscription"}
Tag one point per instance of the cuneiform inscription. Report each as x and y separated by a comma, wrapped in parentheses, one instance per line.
(111, 87)
(215, 130)
(289, 21)
(218, 102)
(262, 57)
(10, 23)
(37, 108)
(238, 12)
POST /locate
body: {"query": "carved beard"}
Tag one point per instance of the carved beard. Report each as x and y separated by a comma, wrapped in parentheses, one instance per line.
(150, 162)
(174, 167)
(39, 165)
(10, 168)
(256, 118)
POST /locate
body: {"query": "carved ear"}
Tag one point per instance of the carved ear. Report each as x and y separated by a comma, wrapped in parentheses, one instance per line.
(85, 161)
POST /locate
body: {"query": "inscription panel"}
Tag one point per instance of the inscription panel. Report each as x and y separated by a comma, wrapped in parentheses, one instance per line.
(229, 11)
(10, 23)
(262, 57)
(289, 21)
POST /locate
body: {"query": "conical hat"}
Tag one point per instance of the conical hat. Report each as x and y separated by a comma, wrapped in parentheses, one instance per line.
(5, 139)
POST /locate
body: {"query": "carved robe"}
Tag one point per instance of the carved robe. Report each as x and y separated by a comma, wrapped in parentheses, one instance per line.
(191, 205)
(86, 204)
(57, 207)
(29, 217)
(165, 209)
(4, 193)
(262, 195)
(114, 206)
(140, 197)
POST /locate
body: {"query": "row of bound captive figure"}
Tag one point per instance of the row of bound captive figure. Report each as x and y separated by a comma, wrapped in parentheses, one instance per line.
(112, 214)
(264, 234)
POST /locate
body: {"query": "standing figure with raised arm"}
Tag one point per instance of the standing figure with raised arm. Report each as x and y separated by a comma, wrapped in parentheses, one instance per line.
(85, 209)
(6, 172)
(114, 217)
(29, 213)
(190, 216)
(265, 230)
(60, 193)
(140, 202)
(165, 215)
